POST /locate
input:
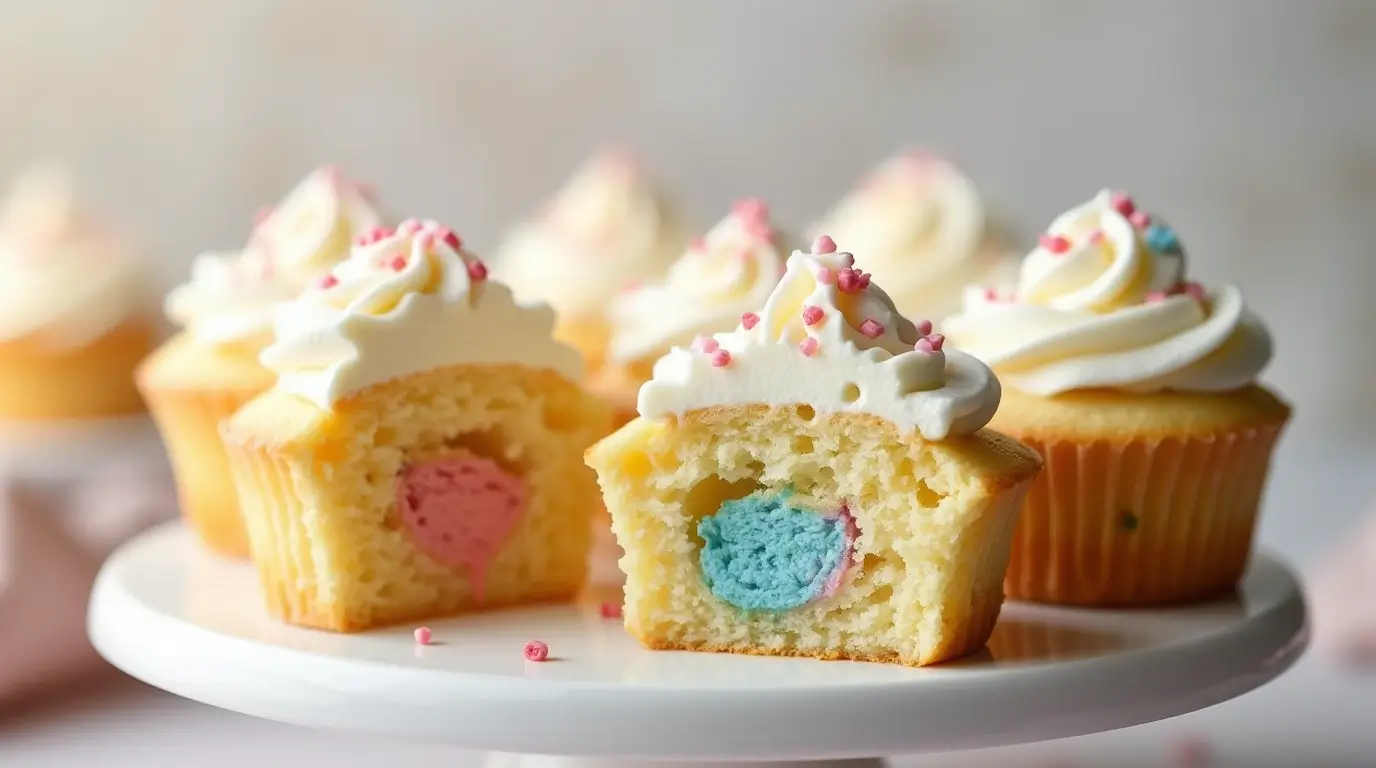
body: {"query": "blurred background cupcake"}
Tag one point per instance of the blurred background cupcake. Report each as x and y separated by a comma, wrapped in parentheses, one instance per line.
(203, 374)
(921, 227)
(607, 228)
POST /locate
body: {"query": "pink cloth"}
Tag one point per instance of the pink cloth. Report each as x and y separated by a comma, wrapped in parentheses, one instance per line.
(1341, 597)
(54, 533)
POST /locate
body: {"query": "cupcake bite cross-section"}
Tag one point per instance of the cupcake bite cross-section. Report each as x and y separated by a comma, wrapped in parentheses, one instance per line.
(419, 453)
(815, 482)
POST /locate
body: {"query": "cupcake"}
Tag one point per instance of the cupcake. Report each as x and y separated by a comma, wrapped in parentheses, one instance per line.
(816, 482)
(204, 373)
(923, 229)
(420, 453)
(607, 228)
(75, 316)
(1138, 387)
(730, 271)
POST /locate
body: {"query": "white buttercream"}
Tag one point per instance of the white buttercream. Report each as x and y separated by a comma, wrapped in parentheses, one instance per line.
(934, 392)
(607, 227)
(66, 277)
(923, 230)
(732, 270)
(407, 303)
(230, 296)
(1111, 311)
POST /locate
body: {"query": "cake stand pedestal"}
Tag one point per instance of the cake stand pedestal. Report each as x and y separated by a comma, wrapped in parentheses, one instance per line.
(177, 617)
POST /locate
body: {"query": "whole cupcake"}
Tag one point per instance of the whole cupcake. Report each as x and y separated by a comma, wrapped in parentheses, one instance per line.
(205, 373)
(729, 271)
(1138, 387)
(924, 231)
(607, 227)
(75, 316)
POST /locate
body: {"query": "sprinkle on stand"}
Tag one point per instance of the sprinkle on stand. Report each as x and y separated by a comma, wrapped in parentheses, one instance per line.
(611, 610)
(536, 651)
(812, 315)
(749, 320)
(422, 635)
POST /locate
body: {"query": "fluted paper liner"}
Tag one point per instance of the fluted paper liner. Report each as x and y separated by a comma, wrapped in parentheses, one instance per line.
(1139, 522)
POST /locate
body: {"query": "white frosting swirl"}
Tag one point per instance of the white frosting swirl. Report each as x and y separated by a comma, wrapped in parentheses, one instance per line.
(1102, 302)
(66, 277)
(411, 301)
(731, 270)
(921, 226)
(230, 296)
(828, 338)
(606, 228)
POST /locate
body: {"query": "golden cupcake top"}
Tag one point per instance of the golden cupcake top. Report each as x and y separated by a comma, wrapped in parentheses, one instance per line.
(829, 337)
(230, 295)
(608, 226)
(924, 230)
(406, 301)
(1103, 302)
(730, 270)
(67, 277)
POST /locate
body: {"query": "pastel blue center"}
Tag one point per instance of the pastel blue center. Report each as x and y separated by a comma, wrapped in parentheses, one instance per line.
(762, 554)
(1162, 239)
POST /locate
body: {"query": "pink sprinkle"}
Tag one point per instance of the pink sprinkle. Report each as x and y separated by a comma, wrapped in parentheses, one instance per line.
(1196, 291)
(924, 327)
(1054, 243)
(410, 227)
(477, 271)
(1155, 297)
(824, 244)
(399, 263)
(611, 611)
(328, 281)
(423, 635)
(262, 215)
(991, 294)
(751, 209)
(536, 651)
(705, 344)
(812, 315)
(721, 358)
(1097, 236)
(749, 319)
(426, 240)
(872, 329)
(808, 347)
(1122, 203)
(699, 243)
(924, 345)
(852, 281)
(451, 238)
(1140, 219)
(937, 341)
(825, 276)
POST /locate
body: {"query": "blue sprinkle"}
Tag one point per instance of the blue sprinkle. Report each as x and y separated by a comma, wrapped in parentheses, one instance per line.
(1162, 239)
(762, 554)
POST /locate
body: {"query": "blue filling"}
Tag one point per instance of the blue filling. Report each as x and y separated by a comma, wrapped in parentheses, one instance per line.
(762, 554)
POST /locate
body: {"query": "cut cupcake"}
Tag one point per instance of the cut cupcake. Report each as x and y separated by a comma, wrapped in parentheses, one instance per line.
(608, 227)
(816, 482)
(924, 230)
(420, 452)
(75, 310)
(1139, 388)
(203, 374)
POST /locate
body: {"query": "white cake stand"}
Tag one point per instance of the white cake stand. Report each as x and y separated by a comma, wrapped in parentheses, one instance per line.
(183, 620)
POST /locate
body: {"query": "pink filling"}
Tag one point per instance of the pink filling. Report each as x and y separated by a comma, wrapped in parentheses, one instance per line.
(838, 575)
(461, 511)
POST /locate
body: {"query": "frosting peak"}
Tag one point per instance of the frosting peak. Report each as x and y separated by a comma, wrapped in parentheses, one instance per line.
(230, 296)
(66, 276)
(405, 301)
(607, 226)
(1103, 302)
(731, 270)
(829, 337)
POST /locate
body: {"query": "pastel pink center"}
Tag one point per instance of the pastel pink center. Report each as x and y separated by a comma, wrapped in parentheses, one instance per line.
(461, 511)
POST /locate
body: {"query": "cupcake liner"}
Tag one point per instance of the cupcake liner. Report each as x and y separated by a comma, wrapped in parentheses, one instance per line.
(1147, 521)
(83, 383)
(189, 421)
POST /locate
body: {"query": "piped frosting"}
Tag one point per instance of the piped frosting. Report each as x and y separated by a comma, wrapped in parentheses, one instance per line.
(829, 337)
(1103, 302)
(731, 270)
(406, 301)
